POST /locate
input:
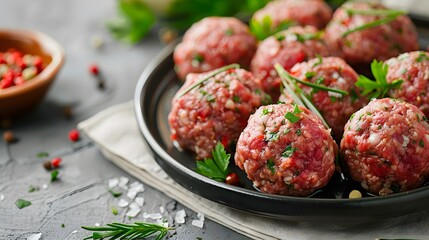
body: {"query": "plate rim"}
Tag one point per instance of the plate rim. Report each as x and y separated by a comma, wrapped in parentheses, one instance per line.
(158, 151)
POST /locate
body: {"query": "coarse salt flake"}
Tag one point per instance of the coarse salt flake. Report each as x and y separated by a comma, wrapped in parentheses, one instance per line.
(113, 182)
(133, 212)
(45, 186)
(134, 205)
(139, 201)
(1, 197)
(179, 217)
(200, 217)
(35, 236)
(123, 203)
(131, 194)
(197, 223)
(123, 181)
(161, 209)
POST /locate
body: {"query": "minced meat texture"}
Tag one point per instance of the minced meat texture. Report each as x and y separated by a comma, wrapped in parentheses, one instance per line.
(285, 149)
(385, 146)
(216, 111)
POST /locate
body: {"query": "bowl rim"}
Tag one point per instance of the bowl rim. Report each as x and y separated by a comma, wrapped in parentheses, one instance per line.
(55, 50)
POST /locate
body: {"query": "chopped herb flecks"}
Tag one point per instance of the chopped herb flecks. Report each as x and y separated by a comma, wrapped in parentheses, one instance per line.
(270, 166)
(229, 32)
(21, 203)
(298, 132)
(309, 75)
(272, 136)
(114, 193)
(32, 188)
(421, 143)
(54, 175)
(288, 151)
(236, 99)
(422, 57)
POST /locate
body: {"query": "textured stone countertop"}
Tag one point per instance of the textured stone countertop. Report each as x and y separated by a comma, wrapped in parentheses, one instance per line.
(80, 197)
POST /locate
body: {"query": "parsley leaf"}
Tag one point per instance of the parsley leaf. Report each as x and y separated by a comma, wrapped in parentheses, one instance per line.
(264, 28)
(21, 203)
(380, 87)
(114, 193)
(134, 21)
(271, 165)
(54, 175)
(215, 168)
(292, 117)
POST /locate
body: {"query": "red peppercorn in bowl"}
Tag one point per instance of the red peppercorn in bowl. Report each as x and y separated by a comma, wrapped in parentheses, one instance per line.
(23, 95)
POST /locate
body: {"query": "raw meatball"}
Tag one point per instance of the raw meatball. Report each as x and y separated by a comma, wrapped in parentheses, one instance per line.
(214, 42)
(285, 149)
(385, 146)
(335, 73)
(295, 45)
(381, 42)
(413, 68)
(216, 111)
(310, 12)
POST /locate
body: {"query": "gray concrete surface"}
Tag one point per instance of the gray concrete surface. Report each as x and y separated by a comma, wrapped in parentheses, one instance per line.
(80, 197)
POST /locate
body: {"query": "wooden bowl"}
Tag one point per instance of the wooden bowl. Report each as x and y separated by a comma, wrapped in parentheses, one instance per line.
(18, 100)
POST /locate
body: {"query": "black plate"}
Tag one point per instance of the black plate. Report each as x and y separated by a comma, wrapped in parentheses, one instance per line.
(156, 88)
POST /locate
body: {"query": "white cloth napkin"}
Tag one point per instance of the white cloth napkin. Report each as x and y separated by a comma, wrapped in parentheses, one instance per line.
(116, 133)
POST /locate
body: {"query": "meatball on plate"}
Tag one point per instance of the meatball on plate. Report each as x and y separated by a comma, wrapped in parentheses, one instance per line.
(385, 146)
(213, 107)
(285, 149)
(214, 42)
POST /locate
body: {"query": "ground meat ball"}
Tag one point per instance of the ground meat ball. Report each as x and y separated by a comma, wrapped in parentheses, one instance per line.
(381, 42)
(310, 12)
(385, 146)
(286, 48)
(282, 157)
(335, 73)
(413, 68)
(214, 42)
(217, 111)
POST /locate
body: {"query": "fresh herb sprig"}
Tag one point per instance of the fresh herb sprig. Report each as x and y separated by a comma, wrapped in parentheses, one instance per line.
(208, 76)
(380, 87)
(318, 86)
(215, 168)
(264, 28)
(388, 16)
(137, 230)
(297, 94)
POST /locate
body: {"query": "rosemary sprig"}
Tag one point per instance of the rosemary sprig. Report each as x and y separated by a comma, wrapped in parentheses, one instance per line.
(298, 95)
(380, 87)
(388, 14)
(137, 230)
(208, 76)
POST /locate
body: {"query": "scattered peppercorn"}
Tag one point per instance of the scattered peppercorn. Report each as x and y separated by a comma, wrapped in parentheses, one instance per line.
(167, 35)
(47, 165)
(68, 111)
(16, 68)
(93, 69)
(9, 137)
(232, 179)
(74, 135)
